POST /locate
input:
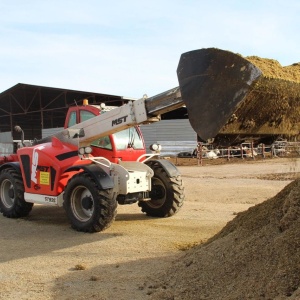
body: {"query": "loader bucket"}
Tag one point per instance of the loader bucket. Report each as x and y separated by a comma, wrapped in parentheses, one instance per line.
(213, 84)
(234, 99)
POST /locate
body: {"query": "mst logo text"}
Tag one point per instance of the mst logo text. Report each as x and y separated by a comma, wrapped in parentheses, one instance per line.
(119, 120)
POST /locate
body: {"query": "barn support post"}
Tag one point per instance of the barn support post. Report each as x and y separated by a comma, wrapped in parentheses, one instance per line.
(228, 154)
(252, 150)
(199, 154)
(10, 116)
(263, 151)
(242, 152)
(41, 111)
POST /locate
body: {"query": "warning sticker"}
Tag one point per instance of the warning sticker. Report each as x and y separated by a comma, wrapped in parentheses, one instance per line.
(45, 178)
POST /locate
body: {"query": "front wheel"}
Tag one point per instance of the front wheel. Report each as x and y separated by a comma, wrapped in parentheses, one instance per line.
(88, 208)
(167, 194)
(12, 203)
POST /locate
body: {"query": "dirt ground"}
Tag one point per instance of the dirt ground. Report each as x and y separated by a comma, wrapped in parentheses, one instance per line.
(43, 258)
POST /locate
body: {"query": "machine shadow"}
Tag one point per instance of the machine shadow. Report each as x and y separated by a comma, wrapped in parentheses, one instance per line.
(44, 230)
(47, 229)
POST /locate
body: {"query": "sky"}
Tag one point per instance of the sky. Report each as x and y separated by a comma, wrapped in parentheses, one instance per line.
(131, 48)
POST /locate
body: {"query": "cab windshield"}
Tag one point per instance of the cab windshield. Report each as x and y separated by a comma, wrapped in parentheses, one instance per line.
(128, 138)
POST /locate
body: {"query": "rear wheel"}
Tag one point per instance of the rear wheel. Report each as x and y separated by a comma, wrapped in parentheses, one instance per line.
(167, 194)
(88, 208)
(12, 203)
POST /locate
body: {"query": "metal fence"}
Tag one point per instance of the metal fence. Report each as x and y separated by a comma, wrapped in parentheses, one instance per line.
(280, 148)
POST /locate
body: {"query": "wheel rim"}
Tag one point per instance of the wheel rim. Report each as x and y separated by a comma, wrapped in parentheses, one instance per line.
(82, 203)
(7, 193)
(158, 194)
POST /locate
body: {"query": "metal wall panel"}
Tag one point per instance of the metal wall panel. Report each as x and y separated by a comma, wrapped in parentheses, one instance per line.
(174, 135)
(50, 131)
(6, 143)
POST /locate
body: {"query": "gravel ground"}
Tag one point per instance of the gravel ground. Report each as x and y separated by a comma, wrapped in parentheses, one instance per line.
(43, 258)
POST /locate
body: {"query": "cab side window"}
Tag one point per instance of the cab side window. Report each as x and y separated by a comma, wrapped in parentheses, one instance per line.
(72, 120)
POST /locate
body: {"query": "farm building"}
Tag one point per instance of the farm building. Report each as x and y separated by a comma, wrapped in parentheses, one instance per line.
(40, 111)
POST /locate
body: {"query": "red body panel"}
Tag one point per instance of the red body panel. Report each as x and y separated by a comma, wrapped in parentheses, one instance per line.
(8, 158)
(114, 156)
(43, 166)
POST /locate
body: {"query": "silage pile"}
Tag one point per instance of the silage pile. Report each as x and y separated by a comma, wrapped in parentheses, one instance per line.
(273, 69)
(273, 105)
(255, 256)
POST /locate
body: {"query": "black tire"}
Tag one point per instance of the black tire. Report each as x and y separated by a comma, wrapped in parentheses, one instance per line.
(88, 208)
(12, 203)
(167, 194)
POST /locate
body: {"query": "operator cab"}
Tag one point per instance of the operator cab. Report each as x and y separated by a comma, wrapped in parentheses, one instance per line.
(125, 145)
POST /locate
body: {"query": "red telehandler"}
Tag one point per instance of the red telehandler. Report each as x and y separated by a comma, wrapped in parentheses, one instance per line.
(61, 171)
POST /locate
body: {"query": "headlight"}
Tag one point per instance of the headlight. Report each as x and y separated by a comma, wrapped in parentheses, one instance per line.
(85, 150)
(155, 147)
(88, 150)
(81, 150)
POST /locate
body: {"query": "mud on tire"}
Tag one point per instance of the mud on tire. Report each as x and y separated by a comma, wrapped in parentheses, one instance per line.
(12, 203)
(167, 194)
(88, 208)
